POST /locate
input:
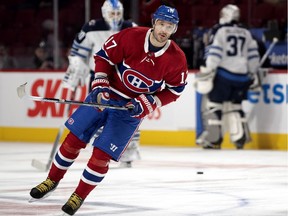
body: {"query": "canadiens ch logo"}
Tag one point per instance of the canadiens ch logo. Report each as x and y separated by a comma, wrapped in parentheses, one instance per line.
(136, 82)
(70, 121)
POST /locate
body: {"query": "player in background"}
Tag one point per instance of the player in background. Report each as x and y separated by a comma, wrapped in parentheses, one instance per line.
(81, 62)
(231, 63)
(139, 68)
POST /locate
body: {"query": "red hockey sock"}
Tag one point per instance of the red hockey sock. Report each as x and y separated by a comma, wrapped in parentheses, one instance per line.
(83, 189)
(94, 173)
(67, 153)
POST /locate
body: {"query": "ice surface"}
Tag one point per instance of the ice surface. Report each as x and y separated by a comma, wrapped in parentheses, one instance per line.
(163, 183)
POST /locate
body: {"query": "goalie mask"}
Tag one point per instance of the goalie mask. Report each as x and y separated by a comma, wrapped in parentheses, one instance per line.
(112, 12)
(229, 13)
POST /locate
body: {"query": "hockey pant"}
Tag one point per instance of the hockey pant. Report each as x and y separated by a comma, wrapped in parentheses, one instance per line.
(132, 152)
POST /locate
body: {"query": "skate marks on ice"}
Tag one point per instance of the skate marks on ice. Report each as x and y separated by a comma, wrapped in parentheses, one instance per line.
(152, 201)
(164, 182)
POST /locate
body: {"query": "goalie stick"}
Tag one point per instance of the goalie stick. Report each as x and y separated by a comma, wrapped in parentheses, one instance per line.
(265, 56)
(46, 166)
(22, 94)
(261, 75)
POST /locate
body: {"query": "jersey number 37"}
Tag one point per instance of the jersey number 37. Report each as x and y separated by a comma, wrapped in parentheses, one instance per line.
(236, 45)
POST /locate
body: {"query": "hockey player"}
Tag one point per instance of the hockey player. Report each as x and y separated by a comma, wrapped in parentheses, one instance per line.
(139, 68)
(81, 62)
(231, 62)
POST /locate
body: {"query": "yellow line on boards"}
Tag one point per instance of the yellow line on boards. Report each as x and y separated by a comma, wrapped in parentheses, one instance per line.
(183, 138)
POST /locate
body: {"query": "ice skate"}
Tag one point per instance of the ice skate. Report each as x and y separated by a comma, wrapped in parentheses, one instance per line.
(212, 146)
(131, 154)
(125, 164)
(43, 190)
(207, 145)
(72, 205)
(240, 143)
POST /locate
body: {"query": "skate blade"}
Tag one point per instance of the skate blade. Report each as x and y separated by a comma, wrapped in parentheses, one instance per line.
(35, 200)
(65, 214)
(31, 200)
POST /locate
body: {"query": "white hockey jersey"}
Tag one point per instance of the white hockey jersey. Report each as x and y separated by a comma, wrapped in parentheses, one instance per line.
(91, 38)
(232, 47)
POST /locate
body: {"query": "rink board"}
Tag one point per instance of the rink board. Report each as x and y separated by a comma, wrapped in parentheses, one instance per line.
(172, 125)
(149, 138)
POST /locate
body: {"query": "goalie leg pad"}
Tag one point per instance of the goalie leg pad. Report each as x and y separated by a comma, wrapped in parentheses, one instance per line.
(212, 136)
(237, 125)
(132, 152)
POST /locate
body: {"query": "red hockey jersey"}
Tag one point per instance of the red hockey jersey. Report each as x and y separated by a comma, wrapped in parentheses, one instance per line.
(133, 70)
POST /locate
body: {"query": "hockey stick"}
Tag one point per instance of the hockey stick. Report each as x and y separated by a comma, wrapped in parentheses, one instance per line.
(46, 166)
(262, 74)
(274, 41)
(22, 94)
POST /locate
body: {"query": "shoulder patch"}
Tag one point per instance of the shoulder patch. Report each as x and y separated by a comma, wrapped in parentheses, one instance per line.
(92, 22)
(81, 36)
(126, 24)
(95, 25)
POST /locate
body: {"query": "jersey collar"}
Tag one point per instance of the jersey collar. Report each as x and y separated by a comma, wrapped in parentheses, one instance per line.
(161, 51)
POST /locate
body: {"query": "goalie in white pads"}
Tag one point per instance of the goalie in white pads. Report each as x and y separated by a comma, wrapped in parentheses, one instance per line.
(81, 62)
(231, 61)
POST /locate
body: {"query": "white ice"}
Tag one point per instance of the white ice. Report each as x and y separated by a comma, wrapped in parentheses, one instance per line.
(163, 183)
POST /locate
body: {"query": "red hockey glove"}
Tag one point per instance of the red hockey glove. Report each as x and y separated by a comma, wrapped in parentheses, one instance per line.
(100, 91)
(141, 106)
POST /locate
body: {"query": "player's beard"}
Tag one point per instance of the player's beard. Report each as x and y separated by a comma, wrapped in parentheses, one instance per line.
(161, 38)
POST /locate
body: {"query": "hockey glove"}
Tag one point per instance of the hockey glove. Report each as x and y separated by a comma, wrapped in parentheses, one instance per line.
(204, 80)
(100, 91)
(76, 73)
(141, 106)
(258, 78)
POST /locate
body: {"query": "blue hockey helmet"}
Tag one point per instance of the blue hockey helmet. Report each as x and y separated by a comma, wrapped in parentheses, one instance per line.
(166, 13)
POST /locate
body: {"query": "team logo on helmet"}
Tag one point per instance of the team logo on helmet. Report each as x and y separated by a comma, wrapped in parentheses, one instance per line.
(167, 14)
(136, 82)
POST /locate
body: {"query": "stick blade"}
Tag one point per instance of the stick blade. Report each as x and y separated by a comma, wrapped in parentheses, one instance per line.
(39, 165)
(21, 90)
